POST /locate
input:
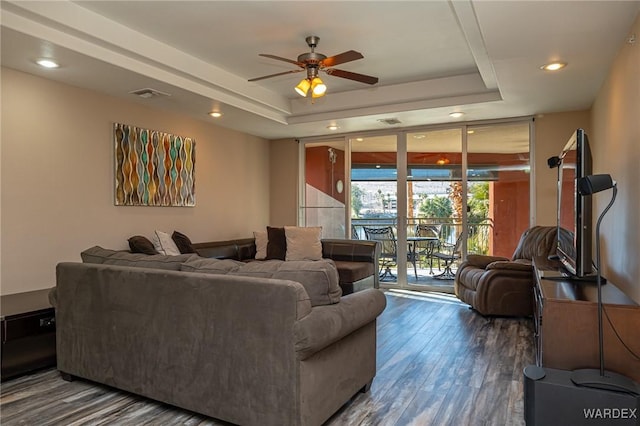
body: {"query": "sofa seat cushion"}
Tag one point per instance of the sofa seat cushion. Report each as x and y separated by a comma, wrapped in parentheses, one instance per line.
(98, 254)
(350, 272)
(318, 277)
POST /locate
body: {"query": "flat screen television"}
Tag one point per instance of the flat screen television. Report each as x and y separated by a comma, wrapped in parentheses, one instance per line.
(574, 210)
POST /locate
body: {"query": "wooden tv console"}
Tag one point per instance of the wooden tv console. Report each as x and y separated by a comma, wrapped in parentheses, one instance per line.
(566, 323)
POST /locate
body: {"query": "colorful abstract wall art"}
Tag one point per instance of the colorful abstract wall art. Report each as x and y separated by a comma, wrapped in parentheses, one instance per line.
(153, 168)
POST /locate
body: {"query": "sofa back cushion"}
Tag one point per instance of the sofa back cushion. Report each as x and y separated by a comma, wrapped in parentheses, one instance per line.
(98, 254)
(319, 278)
(211, 266)
(536, 241)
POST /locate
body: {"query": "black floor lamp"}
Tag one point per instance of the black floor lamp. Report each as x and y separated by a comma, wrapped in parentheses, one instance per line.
(591, 377)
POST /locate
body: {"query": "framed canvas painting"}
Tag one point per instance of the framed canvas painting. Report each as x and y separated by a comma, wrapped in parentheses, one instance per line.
(153, 168)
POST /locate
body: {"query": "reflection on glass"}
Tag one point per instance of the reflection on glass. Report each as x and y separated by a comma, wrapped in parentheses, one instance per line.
(324, 199)
(498, 172)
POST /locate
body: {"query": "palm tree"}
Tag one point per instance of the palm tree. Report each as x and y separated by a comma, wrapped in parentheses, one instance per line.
(435, 207)
(356, 200)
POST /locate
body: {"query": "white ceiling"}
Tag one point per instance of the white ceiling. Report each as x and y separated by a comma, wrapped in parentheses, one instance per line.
(432, 57)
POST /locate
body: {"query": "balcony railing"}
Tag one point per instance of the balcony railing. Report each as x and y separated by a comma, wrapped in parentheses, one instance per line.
(479, 235)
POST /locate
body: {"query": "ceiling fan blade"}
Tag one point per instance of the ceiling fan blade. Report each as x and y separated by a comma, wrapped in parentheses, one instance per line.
(279, 58)
(275, 75)
(341, 58)
(352, 76)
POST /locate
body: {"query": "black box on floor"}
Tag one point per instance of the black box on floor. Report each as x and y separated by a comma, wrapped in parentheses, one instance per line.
(551, 398)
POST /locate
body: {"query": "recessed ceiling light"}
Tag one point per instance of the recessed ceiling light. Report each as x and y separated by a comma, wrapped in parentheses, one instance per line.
(456, 114)
(419, 136)
(47, 63)
(470, 132)
(553, 66)
(215, 114)
(332, 127)
(359, 139)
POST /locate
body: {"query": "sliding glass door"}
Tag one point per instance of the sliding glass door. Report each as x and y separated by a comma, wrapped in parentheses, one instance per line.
(435, 207)
(374, 200)
(498, 187)
(429, 196)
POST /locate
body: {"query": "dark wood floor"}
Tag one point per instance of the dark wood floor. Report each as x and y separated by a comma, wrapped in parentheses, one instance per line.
(439, 363)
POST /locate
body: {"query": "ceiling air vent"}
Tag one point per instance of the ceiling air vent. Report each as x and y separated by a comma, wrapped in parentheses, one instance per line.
(389, 121)
(148, 93)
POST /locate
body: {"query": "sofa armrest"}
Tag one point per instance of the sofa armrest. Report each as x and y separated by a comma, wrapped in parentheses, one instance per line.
(350, 250)
(328, 324)
(354, 251)
(511, 266)
(53, 297)
(482, 261)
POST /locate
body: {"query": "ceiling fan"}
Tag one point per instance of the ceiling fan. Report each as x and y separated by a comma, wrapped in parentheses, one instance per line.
(314, 62)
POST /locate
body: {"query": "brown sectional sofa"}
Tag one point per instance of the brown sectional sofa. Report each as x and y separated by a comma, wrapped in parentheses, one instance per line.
(217, 336)
(356, 260)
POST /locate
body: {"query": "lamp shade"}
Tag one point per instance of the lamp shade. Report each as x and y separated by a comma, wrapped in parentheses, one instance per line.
(317, 87)
(595, 183)
(303, 87)
(554, 162)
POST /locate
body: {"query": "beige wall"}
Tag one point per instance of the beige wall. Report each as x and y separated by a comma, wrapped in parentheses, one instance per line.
(616, 150)
(284, 182)
(552, 131)
(57, 179)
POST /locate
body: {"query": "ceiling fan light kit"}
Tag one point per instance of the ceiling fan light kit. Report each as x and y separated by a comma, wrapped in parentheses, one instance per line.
(303, 87)
(313, 62)
(318, 88)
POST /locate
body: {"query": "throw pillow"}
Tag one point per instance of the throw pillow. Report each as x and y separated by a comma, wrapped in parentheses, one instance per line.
(277, 244)
(261, 244)
(140, 244)
(303, 243)
(164, 244)
(182, 242)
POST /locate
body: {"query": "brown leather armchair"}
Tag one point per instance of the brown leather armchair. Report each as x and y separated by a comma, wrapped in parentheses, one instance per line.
(495, 285)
